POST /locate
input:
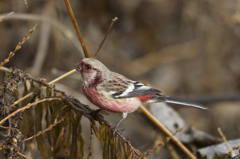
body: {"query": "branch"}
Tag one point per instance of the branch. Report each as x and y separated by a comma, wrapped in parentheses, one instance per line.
(167, 132)
(224, 139)
(53, 81)
(113, 20)
(49, 128)
(11, 54)
(22, 155)
(136, 151)
(77, 29)
(1, 18)
(28, 106)
(59, 26)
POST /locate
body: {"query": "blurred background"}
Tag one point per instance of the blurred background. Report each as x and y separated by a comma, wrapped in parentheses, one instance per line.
(186, 49)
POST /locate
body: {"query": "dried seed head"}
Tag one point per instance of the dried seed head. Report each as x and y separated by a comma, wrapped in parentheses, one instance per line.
(14, 140)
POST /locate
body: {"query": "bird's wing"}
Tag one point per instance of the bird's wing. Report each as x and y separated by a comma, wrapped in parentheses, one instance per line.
(122, 87)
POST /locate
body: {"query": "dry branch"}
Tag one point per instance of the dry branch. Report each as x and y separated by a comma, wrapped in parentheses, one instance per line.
(167, 132)
(59, 26)
(11, 54)
(76, 28)
(2, 17)
(224, 139)
(29, 105)
(234, 148)
(49, 128)
(20, 154)
(113, 20)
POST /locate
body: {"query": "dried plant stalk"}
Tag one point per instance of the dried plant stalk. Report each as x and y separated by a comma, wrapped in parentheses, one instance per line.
(11, 54)
(28, 106)
(20, 154)
(76, 28)
(224, 139)
(113, 20)
(167, 132)
(234, 148)
(1, 18)
(49, 128)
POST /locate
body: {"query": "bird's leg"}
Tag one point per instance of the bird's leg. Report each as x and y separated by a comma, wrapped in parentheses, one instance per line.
(124, 115)
(94, 113)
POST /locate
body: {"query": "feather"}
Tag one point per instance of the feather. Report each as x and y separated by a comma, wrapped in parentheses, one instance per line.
(183, 102)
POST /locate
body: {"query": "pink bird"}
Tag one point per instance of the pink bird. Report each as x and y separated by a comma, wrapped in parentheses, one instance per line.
(114, 92)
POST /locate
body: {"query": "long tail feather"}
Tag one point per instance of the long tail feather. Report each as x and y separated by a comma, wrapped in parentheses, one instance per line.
(184, 102)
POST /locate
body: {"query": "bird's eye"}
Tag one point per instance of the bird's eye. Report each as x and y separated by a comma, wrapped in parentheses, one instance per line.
(88, 66)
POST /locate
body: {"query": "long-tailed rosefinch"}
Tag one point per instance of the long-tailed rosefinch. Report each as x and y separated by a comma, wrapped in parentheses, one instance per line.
(114, 92)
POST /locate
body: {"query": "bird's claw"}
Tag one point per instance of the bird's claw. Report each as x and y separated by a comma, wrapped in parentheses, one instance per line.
(114, 129)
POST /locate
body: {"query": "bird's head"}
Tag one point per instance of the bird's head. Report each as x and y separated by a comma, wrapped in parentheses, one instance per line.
(91, 70)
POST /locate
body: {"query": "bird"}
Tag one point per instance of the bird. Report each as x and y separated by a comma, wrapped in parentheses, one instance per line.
(116, 93)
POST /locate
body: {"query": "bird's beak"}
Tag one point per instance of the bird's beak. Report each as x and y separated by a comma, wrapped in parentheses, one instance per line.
(78, 67)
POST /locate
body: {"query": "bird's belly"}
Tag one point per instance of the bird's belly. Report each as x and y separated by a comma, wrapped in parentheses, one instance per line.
(124, 105)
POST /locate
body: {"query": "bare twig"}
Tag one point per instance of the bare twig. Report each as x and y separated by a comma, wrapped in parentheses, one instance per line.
(136, 151)
(49, 128)
(76, 28)
(53, 81)
(5, 69)
(167, 132)
(29, 105)
(161, 144)
(90, 146)
(224, 139)
(22, 155)
(64, 30)
(4, 127)
(234, 148)
(11, 54)
(63, 76)
(113, 20)
(1, 18)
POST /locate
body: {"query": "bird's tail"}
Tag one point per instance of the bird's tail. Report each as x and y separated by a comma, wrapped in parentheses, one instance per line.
(175, 100)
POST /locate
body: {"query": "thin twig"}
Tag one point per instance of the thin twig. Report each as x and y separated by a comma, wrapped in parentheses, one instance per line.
(1, 18)
(29, 105)
(167, 132)
(4, 127)
(53, 81)
(234, 148)
(224, 139)
(5, 69)
(22, 155)
(161, 144)
(56, 25)
(49, 128)
(76, 28)
(136, 151)
(90, 146)
(63, 76)
(11, 54)
(113, 20)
